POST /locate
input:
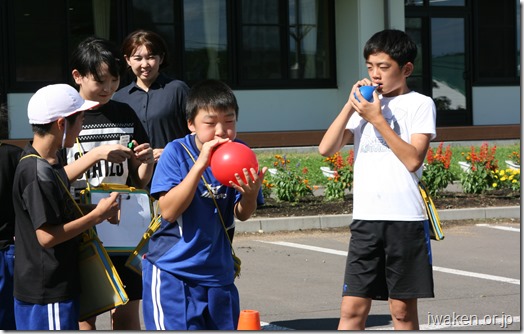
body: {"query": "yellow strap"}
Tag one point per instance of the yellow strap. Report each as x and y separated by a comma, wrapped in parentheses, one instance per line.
(81, 152)
(90, 232)
(115, 187)
(213, 197)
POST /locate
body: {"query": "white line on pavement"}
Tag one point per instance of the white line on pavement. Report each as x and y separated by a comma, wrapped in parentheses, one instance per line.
(504, 228)
(477, 275)
(313, 248)
(441, 269)
(515, 319)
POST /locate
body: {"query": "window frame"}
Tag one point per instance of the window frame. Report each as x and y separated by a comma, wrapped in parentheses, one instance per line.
(474, 48)
(426, 13)
(124, 25)
(240, 83)
(478, 79)
(9, 65)
(13, 85)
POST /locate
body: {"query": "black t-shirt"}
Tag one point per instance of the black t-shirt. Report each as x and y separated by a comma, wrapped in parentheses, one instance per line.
(9, 157)
(43, 275)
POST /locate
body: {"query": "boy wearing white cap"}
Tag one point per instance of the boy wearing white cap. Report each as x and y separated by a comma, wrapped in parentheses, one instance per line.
(47, 229)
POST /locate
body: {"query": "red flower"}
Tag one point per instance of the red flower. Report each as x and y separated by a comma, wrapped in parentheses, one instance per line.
(351, 158)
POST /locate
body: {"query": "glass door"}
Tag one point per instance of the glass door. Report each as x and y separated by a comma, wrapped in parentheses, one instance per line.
(448, 69)
(442, 64)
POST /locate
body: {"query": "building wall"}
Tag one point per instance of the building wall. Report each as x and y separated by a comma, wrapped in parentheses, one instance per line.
(19, 127)
(314, 109)
(496, 105)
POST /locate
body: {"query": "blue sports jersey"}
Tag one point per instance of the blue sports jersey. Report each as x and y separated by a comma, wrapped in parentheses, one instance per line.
(195, 247)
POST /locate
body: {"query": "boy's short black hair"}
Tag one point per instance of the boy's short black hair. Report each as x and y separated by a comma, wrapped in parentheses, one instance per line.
(92, 52)
(44, 129)
(210, 94)
(395, 43)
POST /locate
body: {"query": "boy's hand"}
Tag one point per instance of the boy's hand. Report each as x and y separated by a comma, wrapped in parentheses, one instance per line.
(207, 148)
(157, 152)
(254, 182)
(108, 208)
(143, 152)
(370, 111)
(249, 190)
(115, 153)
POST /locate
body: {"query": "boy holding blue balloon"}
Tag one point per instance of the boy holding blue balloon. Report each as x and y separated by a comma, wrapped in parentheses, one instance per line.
(389, 254)
(189, 270)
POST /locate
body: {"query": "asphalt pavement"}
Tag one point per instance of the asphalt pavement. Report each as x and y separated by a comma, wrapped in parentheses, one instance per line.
(294, 279)
(292, 268)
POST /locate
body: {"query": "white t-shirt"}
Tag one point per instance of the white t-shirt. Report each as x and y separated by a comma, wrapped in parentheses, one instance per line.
(383, 188)
(103, 126)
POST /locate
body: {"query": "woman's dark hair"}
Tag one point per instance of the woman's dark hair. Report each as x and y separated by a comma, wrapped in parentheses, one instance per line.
(92, 52)
(154, 43)
(395, 43)
(210, 94)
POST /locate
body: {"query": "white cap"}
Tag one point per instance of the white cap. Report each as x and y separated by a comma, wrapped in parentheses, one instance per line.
(56, 101)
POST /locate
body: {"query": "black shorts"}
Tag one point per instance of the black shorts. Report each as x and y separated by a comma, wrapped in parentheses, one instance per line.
(389, 259)
(131, 280)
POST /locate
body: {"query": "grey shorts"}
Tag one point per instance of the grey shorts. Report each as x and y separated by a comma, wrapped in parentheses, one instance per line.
(389, 259)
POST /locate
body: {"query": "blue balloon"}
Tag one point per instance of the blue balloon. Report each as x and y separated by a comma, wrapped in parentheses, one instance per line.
(367, 92)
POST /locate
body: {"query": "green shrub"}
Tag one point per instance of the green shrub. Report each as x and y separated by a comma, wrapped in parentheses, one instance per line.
(290, 183)
(312, 161)
(481, 174)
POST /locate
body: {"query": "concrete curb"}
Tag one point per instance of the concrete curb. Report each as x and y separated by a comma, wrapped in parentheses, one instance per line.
(332, 221)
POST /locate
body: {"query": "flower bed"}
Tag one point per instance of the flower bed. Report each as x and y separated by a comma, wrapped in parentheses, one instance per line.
(480, 174)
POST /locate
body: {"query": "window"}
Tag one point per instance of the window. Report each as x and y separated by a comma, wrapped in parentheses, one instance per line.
(463, 44)
(261, 40)
(441, 65)
(206, 41)
(497, 42)
(416, 80)
(247, 43)
(35, 36)
(42, 35)
(448, 66)
(285, 43)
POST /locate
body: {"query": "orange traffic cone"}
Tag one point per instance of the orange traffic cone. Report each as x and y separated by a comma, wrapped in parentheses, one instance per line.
(249, 320)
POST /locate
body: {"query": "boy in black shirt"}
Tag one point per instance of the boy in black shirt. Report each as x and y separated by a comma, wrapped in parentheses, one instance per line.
(48, 225)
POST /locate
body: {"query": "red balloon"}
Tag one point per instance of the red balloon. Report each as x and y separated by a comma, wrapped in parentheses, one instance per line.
(230, 158)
